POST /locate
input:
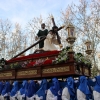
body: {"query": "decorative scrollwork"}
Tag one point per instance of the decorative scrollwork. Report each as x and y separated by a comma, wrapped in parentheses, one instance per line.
(30, 72)
(6, 74)
(53, 70)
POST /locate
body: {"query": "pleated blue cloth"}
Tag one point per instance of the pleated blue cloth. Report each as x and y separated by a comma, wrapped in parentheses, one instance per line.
(6, 88)
(84, 86)
(31, 89)
(43, 89)
(14, 89)
(71, 88)
(24, 88)
(55, 89)
(97, 85)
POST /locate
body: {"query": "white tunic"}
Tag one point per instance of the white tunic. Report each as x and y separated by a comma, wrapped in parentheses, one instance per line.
(13, 97)
(50, 42)
(50, 96)
(30, 98)
(96, 95)
(65, 94)
(2, 96)
(19, 96)
(80, 95)
(38, 98)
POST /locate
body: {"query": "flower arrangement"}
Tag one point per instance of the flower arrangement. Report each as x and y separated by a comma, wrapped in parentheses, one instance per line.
(16, 65)
(47, 62)
(31, 64)
(63, 56)
(79, 58)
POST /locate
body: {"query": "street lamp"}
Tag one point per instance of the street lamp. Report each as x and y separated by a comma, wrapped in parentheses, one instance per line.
(71, 35)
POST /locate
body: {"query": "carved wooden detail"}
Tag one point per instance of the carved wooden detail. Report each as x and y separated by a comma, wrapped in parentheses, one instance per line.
(56, 70)
(8, 74)
(86, 71)
(29, 72)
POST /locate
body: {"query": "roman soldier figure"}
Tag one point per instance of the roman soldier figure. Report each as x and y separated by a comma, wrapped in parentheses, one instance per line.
(41, 34)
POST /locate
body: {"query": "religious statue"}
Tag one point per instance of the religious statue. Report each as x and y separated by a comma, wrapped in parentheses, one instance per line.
(41, 34)
(51, 40)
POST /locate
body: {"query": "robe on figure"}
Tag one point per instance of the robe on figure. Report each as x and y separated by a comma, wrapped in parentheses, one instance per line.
(5, 92)
(22, 92)
(14, 91)
(42, 33)
(31, 90)
(41, 93)
(50, 42)
(83, 89)
(54, 92)
(1, 87)
(69, 92)
(96, 92)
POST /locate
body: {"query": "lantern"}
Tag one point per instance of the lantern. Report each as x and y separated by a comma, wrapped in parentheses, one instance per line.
(70, 29)
(71, 36)
(88, 46)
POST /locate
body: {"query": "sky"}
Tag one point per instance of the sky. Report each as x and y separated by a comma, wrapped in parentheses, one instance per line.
(21, 11)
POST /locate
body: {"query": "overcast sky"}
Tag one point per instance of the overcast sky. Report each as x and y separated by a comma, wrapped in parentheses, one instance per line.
(22, 11)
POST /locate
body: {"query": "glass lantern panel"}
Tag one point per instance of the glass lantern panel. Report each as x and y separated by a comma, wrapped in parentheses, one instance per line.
(88, 44)
(72, 32)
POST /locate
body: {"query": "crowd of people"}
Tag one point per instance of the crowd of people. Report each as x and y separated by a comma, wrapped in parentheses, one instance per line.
(70, 89)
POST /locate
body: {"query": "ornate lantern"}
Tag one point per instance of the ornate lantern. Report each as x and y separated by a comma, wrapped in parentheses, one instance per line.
(71, 35)
(89, 49)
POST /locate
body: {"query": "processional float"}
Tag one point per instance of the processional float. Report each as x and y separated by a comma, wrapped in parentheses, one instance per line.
(48, 64)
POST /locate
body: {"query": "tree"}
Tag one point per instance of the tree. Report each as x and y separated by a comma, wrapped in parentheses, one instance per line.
(5, 30)
(12, 40)
(17, 41)
(86, 19)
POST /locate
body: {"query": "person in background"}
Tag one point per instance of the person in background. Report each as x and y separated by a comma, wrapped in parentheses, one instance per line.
(22, 92)
(54, 92)
(6, 91)
(41, 93)
(31, 90)
(91, 83)
(13, 94)
(41, 34)
(96, 91)
(1, 87)
(83, 89)
(69, 92)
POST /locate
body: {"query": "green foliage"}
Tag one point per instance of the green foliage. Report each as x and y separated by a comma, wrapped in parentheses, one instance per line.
(15, 65)
(82, 59)
(63, 56)
(79, 58)
(11, 65)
